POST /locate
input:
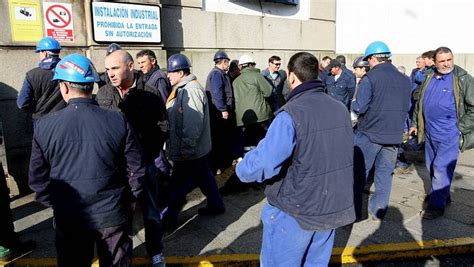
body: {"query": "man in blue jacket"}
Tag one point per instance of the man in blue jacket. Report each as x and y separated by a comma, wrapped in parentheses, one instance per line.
(40, 94)
(341, 82)
(307, 163)
(87, 165)
(382, 103)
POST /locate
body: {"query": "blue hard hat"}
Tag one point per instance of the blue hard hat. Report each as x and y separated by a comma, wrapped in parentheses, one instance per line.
(112, 48)
(360, 62)
(178, 62)
(377, 47)
(47, 44)
(76, 68)
(221, 55)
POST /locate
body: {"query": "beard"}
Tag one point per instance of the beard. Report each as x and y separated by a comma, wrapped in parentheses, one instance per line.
(446, 71)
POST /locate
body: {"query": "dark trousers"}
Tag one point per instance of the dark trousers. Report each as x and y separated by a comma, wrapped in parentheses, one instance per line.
(253, 133)
(151, 211)
(186, 176)
(8, 237)
(75, 245)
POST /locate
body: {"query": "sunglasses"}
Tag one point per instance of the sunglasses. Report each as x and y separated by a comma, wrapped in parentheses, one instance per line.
(276, 64)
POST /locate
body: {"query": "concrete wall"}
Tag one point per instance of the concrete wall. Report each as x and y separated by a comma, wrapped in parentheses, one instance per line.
(186, 28)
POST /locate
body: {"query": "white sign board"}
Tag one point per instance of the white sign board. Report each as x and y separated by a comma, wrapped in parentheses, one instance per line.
(58, 21)
(120, 22)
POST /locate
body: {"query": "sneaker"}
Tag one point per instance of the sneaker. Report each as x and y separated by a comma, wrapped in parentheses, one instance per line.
(209, 211)
(158, 260)
(432, 213)
(22, 248)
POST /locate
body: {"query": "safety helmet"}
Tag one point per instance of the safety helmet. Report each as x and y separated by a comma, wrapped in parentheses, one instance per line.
(178, 62)
(360, 63)
(76, 68)
(48, 44)
(221, 55)
(377, 47)
(112, 48)
(246, 59)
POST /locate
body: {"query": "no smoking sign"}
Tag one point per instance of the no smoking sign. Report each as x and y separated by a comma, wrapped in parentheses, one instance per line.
(58, 21)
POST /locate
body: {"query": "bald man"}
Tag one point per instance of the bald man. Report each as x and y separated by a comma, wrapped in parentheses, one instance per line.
(144, 109)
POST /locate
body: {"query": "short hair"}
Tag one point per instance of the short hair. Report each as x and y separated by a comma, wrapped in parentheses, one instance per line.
(442, 50)
(220, 60)
(304, 65)
(341, 58)
(273, 58)
(147, 52)
(127, 58)
(428, 54)
(82, 87)
(326, 58)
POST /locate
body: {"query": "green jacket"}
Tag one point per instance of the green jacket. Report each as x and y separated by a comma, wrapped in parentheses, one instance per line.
(250, 91)
(464, 98)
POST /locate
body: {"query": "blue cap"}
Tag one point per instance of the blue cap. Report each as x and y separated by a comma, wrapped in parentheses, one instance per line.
(112, 48)
(377, 47)
(76, 68)
(48, 44)
(178, 62)
(221, 55)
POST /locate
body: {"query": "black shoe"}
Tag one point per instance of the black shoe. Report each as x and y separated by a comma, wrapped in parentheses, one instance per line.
(428, 197)
(22, 248)
(432, 213)
(208, 211)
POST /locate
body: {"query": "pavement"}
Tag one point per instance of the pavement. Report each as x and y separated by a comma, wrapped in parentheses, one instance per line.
(234, 238)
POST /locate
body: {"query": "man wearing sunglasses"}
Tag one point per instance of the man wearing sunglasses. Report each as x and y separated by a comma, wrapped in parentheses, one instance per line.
(277, 79)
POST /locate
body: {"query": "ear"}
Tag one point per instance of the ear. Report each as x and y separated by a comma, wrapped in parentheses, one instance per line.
(130, 65)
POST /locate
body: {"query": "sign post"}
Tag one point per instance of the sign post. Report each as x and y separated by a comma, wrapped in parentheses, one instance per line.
(122, 22)
(58, 21)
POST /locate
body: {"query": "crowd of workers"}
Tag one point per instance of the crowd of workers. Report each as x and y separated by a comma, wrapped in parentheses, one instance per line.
(149, 137)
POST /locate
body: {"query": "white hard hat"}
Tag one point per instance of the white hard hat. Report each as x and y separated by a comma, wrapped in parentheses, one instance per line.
(245, 59)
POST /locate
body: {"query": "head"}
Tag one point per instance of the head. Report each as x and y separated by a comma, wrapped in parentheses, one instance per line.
(178, 67)
(420, 63)
(246, 61)
(234, 70)
(274, 63)
(334, 67)
(112, 48)
(302, 67)
(376, 53)
(325, 61)
(360, 67)
(221, 60)
(47, 46)
(119, 67)
(342, 59)
(402, 69)
(428, 58)
(444, 60)
(76, 75)
(146, 60)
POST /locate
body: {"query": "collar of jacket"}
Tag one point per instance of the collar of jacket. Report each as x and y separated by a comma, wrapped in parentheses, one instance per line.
(82, 100)
(186, 80)
(49, 62)
(305, 86)
(148, 75)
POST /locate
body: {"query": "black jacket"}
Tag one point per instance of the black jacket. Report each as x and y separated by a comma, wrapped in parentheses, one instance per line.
(86, 163)
(144, 109)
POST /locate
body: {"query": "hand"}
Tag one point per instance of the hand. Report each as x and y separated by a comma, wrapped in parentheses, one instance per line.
(225, 115)
(412, 130)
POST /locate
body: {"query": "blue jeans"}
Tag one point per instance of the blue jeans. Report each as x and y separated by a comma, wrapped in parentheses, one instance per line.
(285, 243)
(383, 158)
(441, 159)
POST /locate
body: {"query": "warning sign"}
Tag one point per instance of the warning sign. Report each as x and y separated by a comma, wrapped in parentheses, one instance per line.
(58, 21)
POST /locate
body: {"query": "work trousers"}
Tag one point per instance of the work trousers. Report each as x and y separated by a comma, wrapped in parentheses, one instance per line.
(285, 243)
(8, 237)
(441, 158)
